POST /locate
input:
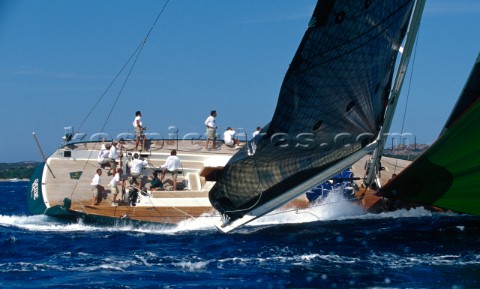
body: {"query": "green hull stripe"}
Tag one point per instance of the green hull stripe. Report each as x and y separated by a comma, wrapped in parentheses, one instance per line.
(447, 175)
(35, 202)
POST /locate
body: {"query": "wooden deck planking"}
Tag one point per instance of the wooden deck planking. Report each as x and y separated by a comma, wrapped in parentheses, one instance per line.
(62, 186)
(150, 214)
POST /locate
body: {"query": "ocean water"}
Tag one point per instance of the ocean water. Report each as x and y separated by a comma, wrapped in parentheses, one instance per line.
(329, 246)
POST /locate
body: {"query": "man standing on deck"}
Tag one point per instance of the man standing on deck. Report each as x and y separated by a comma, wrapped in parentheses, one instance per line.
(97, 189)
(136, 169)
(114, 185)
(172, 165)
(112, 158)
(211, 129)
(139, 128)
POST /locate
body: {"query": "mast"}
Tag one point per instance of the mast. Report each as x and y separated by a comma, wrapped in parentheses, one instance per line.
(331, 91)
(395, 93)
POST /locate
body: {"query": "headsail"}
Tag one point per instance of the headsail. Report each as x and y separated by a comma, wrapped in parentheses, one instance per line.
(447, 175)
(330, 108)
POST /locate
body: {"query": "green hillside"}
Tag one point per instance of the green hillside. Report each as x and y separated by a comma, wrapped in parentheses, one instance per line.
(21, 170)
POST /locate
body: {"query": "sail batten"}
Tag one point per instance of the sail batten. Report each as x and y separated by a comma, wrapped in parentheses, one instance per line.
(330, 106)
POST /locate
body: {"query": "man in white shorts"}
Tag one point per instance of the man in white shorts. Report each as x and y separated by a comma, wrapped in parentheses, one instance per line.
(139, 128)
(211, 129)
(172, 165)
(114, 185)
(136, 169)
(97, 189)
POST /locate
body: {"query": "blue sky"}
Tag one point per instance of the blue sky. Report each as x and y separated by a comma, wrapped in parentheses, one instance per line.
(58, 57)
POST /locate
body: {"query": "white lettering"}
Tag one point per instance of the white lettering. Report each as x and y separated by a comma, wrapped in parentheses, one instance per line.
(34, 191)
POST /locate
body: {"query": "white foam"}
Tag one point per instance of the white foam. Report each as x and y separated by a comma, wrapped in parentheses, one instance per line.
(42, 223)
(334, 207)
(192, 266)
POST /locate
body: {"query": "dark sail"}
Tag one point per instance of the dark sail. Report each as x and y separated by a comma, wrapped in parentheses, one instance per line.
(470, 94)
(331, 103)
(447, 175)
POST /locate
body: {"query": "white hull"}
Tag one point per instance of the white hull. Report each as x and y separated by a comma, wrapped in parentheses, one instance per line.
(199, 168)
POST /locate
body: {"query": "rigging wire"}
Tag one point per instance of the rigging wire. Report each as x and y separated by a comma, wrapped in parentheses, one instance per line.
(108, 87)
(408, 94)
(134, 57)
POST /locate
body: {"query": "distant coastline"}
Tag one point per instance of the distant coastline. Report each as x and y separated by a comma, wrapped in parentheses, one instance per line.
(15, 180)
(17, 172)
(405, 152)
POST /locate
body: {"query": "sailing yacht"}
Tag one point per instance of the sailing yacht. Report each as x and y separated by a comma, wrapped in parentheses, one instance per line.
(335, 108)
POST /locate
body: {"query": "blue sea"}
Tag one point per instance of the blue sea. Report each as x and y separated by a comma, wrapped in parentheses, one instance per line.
(335, 245)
